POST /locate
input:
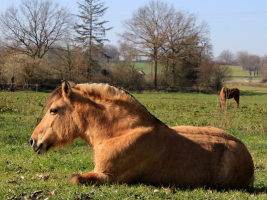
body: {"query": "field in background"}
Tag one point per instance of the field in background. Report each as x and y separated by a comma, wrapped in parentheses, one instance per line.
(24, 173)
(240, 75)
(145, 67)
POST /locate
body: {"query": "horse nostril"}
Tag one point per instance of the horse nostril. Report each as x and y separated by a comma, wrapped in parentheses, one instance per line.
(31, 141)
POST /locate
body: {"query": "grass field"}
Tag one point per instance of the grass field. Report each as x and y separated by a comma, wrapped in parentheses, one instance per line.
(240, 75)
(24, 173)
(237, 72)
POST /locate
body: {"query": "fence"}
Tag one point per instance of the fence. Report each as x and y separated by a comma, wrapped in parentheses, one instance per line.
(137, 88)
(29, 87)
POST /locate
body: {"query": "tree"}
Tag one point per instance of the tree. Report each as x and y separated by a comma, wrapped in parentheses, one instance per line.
(186, 45)
(254, 64)
(35, 27)
(66, 59)
(243, 57)
(264, 68)
(164, 35)
(91, 32)
(226, 57)
(212, 74)
(111, 52)
(145, 31)
(31, 31)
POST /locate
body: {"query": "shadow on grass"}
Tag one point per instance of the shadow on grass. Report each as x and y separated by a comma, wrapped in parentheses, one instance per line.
(249, 189)
(256, 190)
(252, 93)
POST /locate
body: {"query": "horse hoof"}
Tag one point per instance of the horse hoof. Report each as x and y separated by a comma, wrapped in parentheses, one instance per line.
(74, 179)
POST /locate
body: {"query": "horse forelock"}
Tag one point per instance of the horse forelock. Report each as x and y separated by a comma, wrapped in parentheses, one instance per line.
(56, 94)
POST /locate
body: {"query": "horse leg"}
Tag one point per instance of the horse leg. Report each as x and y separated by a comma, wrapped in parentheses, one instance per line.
(222, 103)
(89, 178)
(237, 101)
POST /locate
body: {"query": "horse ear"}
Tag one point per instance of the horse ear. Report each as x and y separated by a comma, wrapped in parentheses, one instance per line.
(66, 88)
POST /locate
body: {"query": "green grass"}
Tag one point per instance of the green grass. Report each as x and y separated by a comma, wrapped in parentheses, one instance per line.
(240, 75)
(237, 71)
(145, 67)
(249, 89)
(22, 170)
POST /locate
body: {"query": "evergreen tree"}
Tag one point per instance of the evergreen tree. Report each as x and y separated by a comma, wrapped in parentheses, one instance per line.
(91, 32)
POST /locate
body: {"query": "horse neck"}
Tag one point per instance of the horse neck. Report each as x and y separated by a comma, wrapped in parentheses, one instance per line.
(113, 119)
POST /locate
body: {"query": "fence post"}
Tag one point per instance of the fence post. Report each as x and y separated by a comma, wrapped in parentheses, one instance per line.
(36, 87)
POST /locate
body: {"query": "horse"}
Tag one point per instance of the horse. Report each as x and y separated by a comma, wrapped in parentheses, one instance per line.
(132, 146)
(228, 93)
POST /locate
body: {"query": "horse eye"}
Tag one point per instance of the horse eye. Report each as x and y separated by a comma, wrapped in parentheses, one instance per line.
(54, 111)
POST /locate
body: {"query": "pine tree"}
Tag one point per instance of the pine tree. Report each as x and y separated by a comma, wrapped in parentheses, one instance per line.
(91, 32)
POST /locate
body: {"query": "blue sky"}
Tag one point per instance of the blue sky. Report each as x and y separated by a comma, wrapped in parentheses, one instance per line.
(235, 25)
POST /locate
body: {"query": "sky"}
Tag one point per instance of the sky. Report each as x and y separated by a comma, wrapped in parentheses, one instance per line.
(235, 25)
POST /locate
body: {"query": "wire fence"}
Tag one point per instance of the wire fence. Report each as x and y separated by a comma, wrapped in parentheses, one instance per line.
(27, 87)
(137, 88)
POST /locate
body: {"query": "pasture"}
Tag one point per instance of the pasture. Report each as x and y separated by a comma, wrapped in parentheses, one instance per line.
(24, 173)
(238, 75)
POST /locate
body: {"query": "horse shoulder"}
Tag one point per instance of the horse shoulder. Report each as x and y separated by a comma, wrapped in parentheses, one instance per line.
(133, 151)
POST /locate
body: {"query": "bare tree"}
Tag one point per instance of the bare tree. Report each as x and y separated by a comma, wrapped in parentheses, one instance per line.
(186, 39)
(66, 59)
(34, 27)
(145, 31)
(165, 35)
(264, 68)
(226, 57)
(243, 58)
(254, 64)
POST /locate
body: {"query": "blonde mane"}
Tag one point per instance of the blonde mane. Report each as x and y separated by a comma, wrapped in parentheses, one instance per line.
(99, 91)
(96, 91)
(104, 91)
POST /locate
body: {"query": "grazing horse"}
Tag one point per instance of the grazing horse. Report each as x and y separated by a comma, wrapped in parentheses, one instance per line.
(228, 93)
(132, 146)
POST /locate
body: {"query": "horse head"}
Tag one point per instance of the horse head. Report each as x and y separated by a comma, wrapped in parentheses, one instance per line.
(60, 124)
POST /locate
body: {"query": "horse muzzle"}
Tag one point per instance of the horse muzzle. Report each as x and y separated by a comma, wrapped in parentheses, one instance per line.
(39, 148)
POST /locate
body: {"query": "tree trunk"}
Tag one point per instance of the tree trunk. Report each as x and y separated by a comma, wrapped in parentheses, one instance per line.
(12, 84)
(155, 72)
(173, 75)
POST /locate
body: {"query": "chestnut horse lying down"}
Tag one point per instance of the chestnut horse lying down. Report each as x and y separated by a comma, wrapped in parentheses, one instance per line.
(228, 93)
(131, 145)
